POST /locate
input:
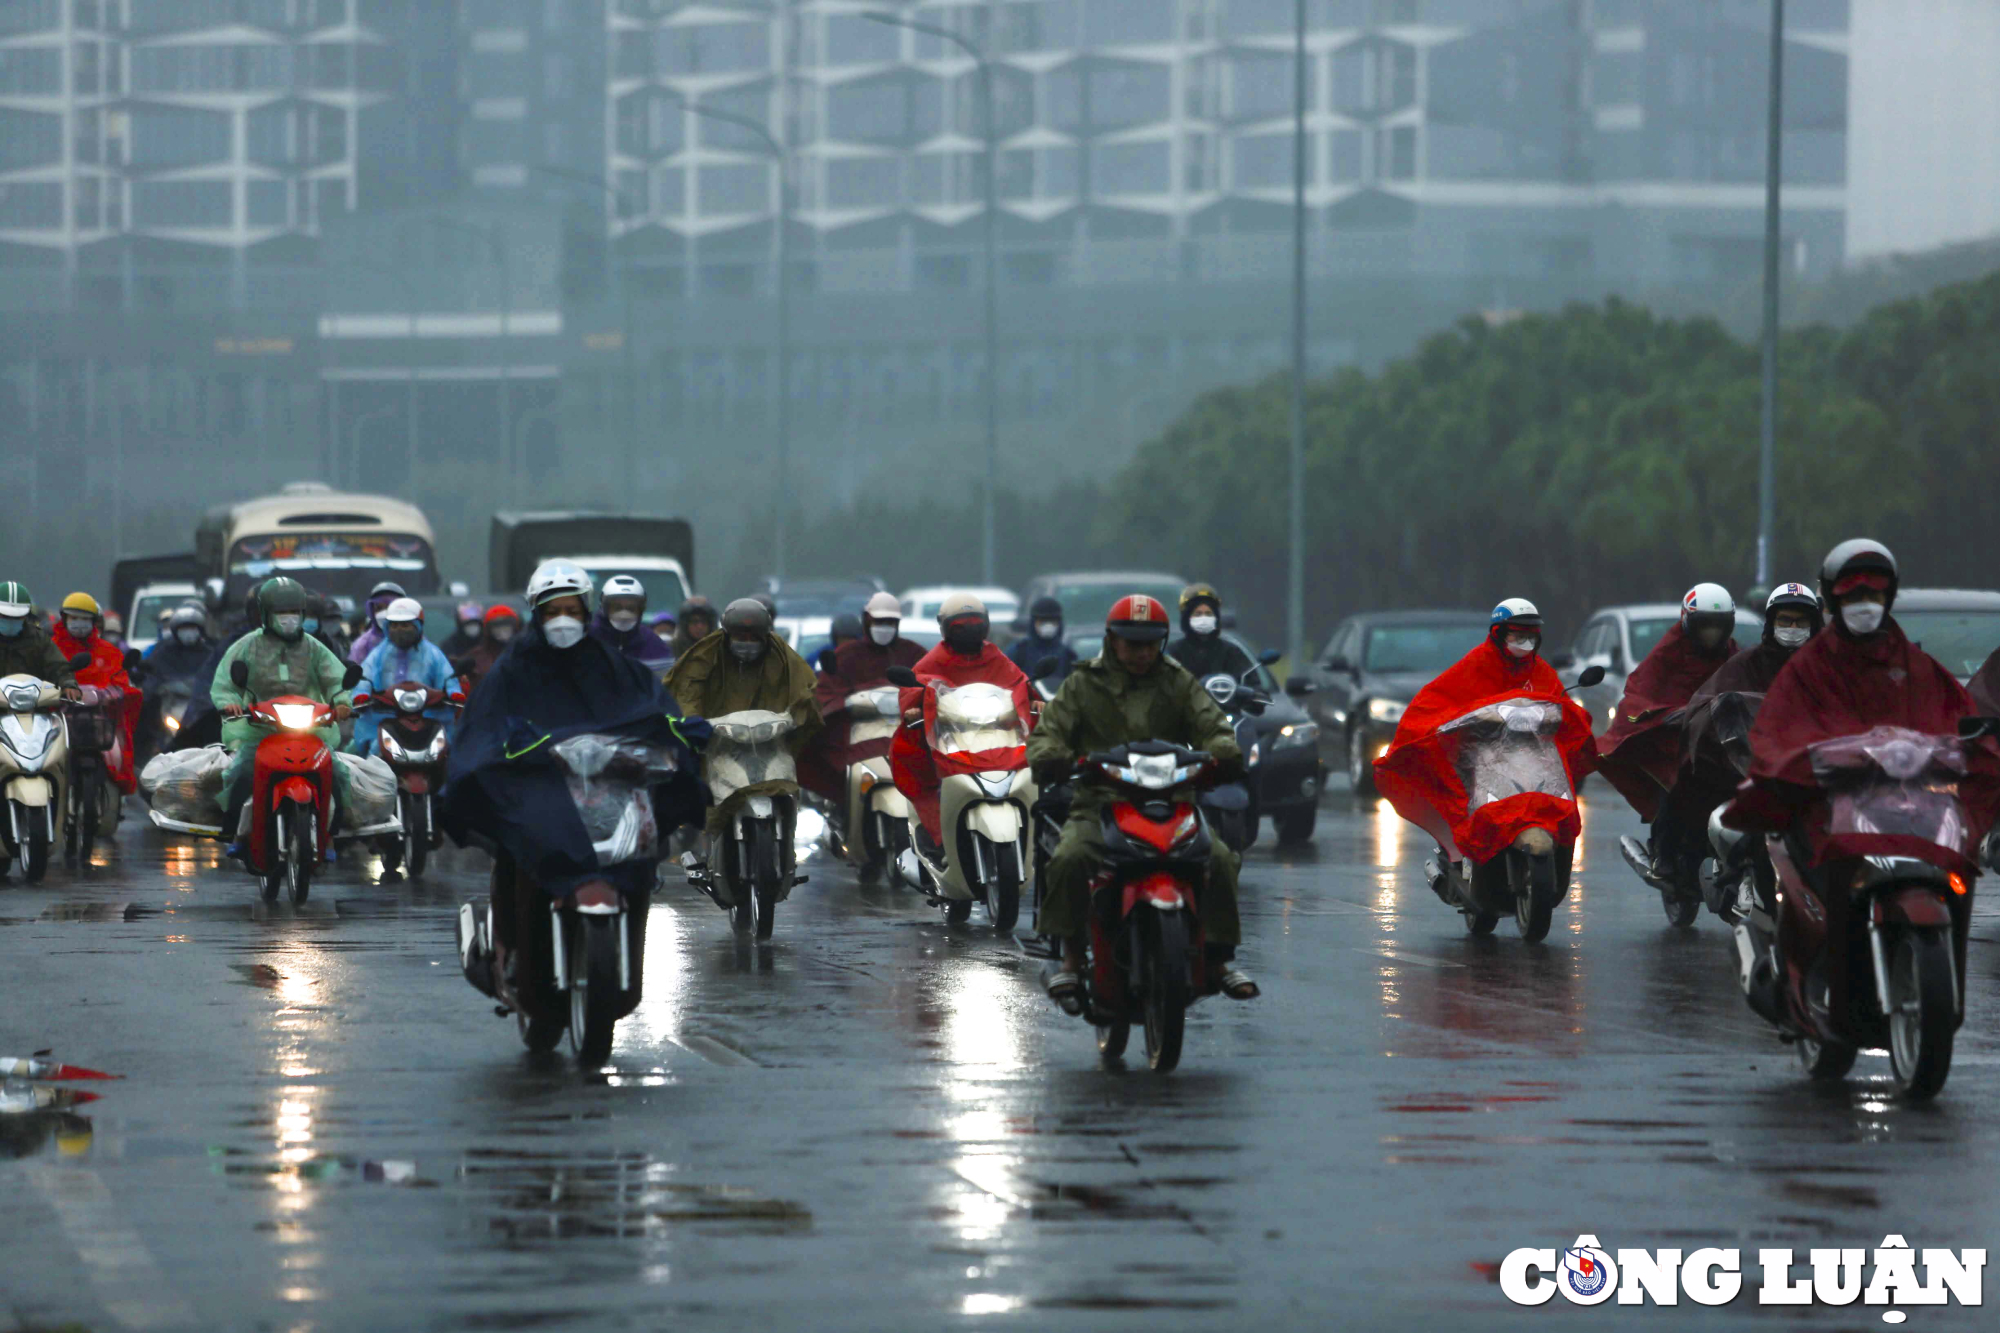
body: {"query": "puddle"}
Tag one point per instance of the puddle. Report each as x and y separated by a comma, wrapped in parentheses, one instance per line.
(58, 1133)
(84, 911)
(558, 1196)
(286, 1170)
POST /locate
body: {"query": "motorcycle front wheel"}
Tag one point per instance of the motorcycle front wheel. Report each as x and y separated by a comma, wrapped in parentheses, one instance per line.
(35, 855)
(272, 878)
(1681, 911)
(1922, 1017)
(302, 853)
(1534, 894)
(1825, 1061)
(1163, 972)
(416, 837)
(1111, 1039)
(593, 987)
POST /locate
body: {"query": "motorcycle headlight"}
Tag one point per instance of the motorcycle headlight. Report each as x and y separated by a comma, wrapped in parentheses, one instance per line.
(1386, 710)
(1297, 734)
(171, 722)
(294, 717)
(410, 701)
(1256, 754)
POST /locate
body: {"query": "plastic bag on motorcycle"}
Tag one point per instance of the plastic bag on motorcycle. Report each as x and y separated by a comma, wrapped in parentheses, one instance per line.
(371, 791)
(1891, 791)
(610, 780)
(186, 785)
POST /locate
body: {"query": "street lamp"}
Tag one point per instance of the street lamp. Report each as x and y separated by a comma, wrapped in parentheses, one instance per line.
(1295, 618)
(1773, 163)
(992, 265)
(622, 279)
(495, 240)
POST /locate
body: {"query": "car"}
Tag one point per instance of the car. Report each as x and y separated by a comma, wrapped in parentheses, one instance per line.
(1372, 666)
(822, 597)
(809, 635)
(1281, 746)
(142, 620)
(1003, 608)
(1087, 595)
(1618, 638)
(1960, 627)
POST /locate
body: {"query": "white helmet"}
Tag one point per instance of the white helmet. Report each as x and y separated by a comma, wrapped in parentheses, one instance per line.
(959, 605)
(1516, 611)
(623, 585)
(557, 578)
(403, 609)
(883, 606)
(1707, 599)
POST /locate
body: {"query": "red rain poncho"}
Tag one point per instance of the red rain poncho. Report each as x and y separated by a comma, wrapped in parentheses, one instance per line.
(1421, 780)
(1639, 754)
(857, 665)
(107, 671)
(1985, 687)
(910, 757)
(1837, 685)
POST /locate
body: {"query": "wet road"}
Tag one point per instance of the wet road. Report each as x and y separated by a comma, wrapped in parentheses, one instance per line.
(878, 1122)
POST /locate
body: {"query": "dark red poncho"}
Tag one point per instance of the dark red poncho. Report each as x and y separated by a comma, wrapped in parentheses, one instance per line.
(910, 758)
(1985, 687)
(1419, 778)
(1639, 754)
(1837, 685)
(857, 665)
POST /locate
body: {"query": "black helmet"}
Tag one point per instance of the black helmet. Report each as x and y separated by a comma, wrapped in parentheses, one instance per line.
(1045, 608)
(1195, 594)
(386, 588)
(1858, 559)
(765, 600)
(846, 625)
(746, 614)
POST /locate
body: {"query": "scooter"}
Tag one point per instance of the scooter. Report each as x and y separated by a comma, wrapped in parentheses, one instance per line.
(753, 776)
(978, 738)
(1228, 807)
(34, 769)
(1148, 954)
(1735, 877)
(416, 748)
(287, 821)
(1898, 978)
(95, 746)
(878, 816)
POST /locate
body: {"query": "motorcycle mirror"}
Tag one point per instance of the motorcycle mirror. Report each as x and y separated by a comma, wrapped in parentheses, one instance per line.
(1299, 687)
(903, 676)
(1268, 656)
(1590, 675)
(134, 660)
(347, 677)
(363, 700)
(1977, 728)
(79, 661)
(239, 673)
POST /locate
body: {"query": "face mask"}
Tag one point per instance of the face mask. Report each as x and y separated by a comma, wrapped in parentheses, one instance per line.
(965, 639)
(79, 627)
(188, 635)
(563, 631)
(1863, 617)
(1047, 629)
(405, 639)
(884, 635)
(1519, 646)
(503, 632)
(10, 627)
(1708, 635)
(745, 651)
(1791, 638)
(471, 629)
(624, 620)
(287, 626)
(1202, 624)
(379, 621)
(311, 625)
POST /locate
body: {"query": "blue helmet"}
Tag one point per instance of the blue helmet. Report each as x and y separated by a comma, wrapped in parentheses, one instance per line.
(1516, 613)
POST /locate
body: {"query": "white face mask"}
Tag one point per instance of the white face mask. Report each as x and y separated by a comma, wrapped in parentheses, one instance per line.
(471, 629)
(1791, 638)
(1202, 624)
(623, 620)
(1863, 617)
(1047, 629)
(188, 635)
(884, 635)
(563, 631)
(79, 627)
(503, 632)
(1520, 646)
(287, 625)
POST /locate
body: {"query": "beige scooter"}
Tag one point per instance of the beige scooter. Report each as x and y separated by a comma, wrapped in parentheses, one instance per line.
(878, 816)
(34, 771)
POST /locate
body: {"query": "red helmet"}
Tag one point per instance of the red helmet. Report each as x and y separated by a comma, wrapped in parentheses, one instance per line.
(1138, 617)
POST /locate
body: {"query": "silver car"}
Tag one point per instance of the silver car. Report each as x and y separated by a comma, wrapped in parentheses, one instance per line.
(1618, 638)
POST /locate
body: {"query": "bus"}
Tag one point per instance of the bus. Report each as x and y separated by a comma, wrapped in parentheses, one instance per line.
(334, 542)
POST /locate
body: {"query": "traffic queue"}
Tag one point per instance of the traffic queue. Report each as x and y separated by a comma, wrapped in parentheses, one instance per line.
(1824, 791)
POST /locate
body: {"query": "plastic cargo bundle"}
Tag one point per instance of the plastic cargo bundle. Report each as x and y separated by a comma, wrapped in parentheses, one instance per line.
(611, 779)
(185, 786)
(371, 795)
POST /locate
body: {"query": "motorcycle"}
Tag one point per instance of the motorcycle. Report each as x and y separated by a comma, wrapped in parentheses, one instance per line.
(416, 748)
(1898, 979)
(34, 769)
(753, 776)
(168, 705)
(1735, 876)
(95, 745)
(978, 738)
(878, 816)
(1227, 806)
(596, 936)
(1148, 955)
(286, 823)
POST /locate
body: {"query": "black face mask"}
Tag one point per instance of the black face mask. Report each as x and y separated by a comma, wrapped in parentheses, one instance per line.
(965, 639)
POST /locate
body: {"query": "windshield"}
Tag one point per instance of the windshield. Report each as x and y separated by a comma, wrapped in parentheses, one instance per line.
(976, 717)
(1508, 748)
(1894, 781)
(748, 748)
(1418, 649)
(664, 589)
(1087, 603)
(342, 564)
(1962, 640)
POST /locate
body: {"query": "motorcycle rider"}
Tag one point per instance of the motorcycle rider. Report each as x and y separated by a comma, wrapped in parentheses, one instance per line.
(1043, 641)
(503, 622)
(371, 633)
(745, 667)
(1201, 647)
(201, 723)
(1131, 691)
(1640, 752)
(1860, 674)
(112, 630)
(283, 659)
(470, 628)
(860, 664)
(404, 655)
(182, 646)
(77, 632)
(844, 628)
(1792, 615)
(25, 646)
(696, 622)
(621, 609)
(964, 656)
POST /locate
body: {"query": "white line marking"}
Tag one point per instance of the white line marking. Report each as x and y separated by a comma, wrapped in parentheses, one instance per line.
(127, 1280)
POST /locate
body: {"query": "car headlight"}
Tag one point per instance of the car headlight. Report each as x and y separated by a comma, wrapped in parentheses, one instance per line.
(1386, 710)
(1297, 734)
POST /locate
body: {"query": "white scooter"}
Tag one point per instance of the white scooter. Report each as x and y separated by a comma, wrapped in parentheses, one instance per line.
(878, 816)
(979, 744)
(754, 780)
(34, 769)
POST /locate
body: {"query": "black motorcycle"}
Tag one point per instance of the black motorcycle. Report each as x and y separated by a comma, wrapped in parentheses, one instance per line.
(1230, 808)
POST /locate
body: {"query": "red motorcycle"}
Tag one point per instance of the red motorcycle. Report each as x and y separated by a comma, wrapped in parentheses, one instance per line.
(290, 810)
(1148, 960)
(415, 747)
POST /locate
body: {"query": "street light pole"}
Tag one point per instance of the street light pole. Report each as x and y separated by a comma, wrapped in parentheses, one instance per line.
(1773, 172)
(992, 244)
(621, 279)
(1295, 618)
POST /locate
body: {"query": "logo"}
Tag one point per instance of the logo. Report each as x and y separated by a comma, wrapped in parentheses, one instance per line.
(1588, 1275)
(1142, 609)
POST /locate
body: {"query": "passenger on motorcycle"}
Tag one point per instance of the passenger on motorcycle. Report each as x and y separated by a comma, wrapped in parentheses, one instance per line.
(745, 667)
(1043, 641)
(503, 622)
(77, 632)
(621, 610)
(964, 656)
(183, 645)
(112, 630)
(845, 628)
(404, 655)
(470, 629)
(1201, 647)
(861, 664)
(283, 659)
(505, 791)
(1792, 615)
(372, 634)
(1129, 692)
(697, 622)
(25, 646)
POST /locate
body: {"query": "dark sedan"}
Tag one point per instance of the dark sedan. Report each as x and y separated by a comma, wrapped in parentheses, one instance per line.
(1370, 669)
